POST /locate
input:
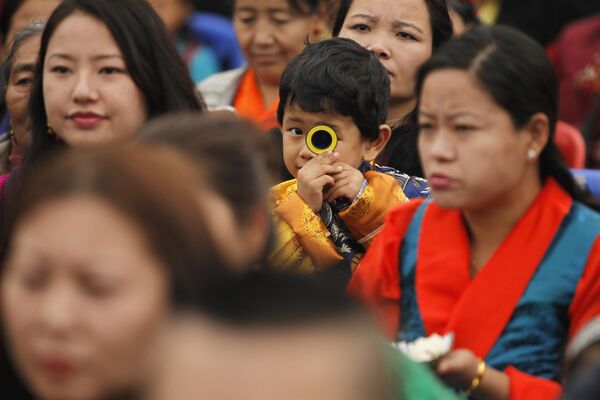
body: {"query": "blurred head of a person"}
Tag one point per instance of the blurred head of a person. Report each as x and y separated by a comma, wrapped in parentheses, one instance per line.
(232, 155)
(271, 32)
(269, 337)
(103, 242)
(463, 15)
(17, 14)
(174, 13)
(18, 78)
(105, 67)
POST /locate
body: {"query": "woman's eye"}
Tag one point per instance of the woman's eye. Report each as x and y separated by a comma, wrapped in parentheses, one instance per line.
(33, 280)
(406, 36)
(464, 128)
(24, 82)
(280, 21)
(111, 70)
(360, 28)
(295, 131)
(59, 69)
(425, 127)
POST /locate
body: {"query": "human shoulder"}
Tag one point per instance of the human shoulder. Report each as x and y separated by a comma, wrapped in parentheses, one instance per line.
(220, 89)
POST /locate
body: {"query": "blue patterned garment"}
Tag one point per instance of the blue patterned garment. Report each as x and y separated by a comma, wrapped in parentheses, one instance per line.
(412, 186)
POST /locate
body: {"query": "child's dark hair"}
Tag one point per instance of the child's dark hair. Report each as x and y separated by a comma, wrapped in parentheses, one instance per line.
(338, 76)
(518, 75)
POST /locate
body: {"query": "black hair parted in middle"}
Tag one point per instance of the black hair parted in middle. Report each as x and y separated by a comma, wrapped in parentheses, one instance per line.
(341, 77)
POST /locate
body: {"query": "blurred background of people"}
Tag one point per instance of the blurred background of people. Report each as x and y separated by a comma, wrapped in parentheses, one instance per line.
(542, 20)
(463, 15)
(200, 59)
(576, 57)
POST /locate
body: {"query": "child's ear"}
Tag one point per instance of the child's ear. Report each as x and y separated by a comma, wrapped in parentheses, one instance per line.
(374, 147)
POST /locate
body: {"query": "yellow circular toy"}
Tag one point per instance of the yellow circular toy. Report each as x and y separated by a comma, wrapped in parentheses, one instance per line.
(321, 139)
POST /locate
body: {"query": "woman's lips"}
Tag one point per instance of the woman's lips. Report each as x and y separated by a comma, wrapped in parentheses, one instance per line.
(440, 182)
(266, 58)
(57, 367)
(86, 120)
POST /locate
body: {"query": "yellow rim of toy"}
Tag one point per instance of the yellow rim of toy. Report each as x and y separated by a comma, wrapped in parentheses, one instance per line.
(316, 129)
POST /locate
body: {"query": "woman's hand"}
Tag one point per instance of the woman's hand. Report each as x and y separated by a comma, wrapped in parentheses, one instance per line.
(458, 368)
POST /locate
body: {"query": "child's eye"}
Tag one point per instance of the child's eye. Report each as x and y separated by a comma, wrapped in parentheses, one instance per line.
(360, 28)
(406, 36)
(295, 131)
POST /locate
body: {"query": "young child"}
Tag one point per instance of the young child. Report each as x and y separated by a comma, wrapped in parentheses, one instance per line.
(337, 204)
(270, 34)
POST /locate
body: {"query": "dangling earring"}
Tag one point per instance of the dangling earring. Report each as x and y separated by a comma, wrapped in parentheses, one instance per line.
(49, 129)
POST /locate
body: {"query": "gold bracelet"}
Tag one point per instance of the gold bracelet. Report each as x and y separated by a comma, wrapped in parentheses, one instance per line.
(481, 367)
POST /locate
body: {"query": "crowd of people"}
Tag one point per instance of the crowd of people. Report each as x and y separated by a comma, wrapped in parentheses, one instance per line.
(299, 199)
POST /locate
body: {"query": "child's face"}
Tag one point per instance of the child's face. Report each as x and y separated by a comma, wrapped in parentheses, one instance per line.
(270, 33)
(296, 124)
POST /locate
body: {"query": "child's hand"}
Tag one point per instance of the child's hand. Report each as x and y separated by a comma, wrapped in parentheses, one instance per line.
(314, 176)
(348, 183)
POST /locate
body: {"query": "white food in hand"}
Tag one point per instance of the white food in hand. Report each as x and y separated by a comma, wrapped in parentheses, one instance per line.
(427, 349)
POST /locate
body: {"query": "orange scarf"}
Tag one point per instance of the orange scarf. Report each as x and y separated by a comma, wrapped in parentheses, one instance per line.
(249, 103)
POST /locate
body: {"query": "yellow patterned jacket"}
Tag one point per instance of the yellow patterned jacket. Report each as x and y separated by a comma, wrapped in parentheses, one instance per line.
(303, 239)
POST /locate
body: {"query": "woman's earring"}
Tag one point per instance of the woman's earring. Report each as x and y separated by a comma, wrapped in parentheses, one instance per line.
(50, 130)
(531, 154)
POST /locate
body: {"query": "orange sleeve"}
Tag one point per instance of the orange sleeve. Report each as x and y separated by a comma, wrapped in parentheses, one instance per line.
(586, 302)
(377, 280)
(527, 387)
(365, 217)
